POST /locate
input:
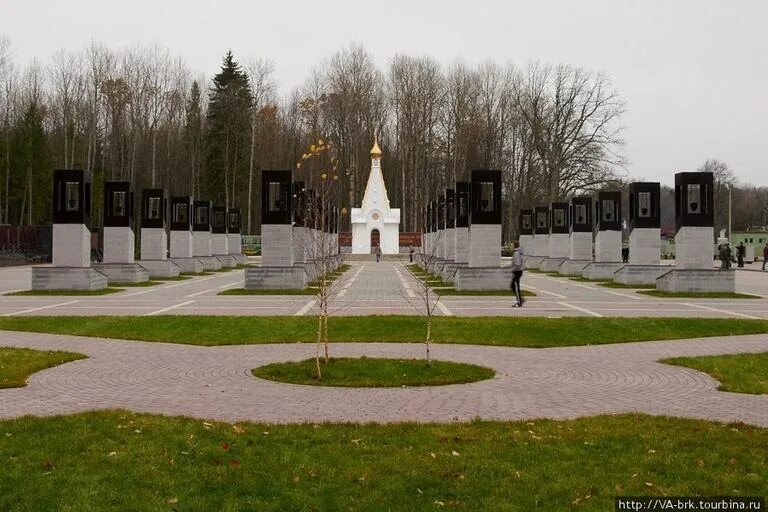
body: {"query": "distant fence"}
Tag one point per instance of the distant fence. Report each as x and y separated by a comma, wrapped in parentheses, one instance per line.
(20, 244)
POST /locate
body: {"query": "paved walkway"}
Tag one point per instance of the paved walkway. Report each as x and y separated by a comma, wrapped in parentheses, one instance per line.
(215, 382)
(381, 289)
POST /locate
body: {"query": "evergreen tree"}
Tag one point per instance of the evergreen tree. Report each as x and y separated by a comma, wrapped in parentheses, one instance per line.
(31, 177)
(193, 128)
(228, 131)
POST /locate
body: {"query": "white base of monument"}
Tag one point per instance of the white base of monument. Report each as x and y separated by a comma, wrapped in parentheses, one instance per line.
(580, 246)
(601, 270)
(189, 265)
(461, 245)
(640, 274)
(209, 262)
(533, 262)
(450, 269)
(489, 278)
(645, 246)
(226, 260)
(551, 264)
(71, 246)
(573, 267)
(181, 245)
(123, 272)
(526, 244)
(697, 281)
(694, 248)
(160, 268)
(154, 244)
(67, 278)
(220, 249)
(275, 278)
(485, 246)
(119, 245)
(608, 246)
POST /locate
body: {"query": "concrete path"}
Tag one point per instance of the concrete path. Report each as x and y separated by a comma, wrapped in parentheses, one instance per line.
(215, 382)
(381, 289)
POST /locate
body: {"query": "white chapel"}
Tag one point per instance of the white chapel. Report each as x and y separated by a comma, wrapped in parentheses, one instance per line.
(375, 219)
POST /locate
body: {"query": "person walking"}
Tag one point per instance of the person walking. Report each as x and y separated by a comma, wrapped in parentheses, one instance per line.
(765, 255)
(517, 273)
(741, 251)
(378, 253)
(728, 256)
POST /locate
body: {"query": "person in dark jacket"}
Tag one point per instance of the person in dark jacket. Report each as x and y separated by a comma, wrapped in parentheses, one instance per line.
(741, 251)
(765, 255)
(517, 274)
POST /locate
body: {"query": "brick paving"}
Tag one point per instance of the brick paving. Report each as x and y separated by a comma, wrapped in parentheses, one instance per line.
(215, 382)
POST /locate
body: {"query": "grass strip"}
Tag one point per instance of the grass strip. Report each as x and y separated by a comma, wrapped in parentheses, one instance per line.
(180, 277)
(120, 461)
(502, 331)
(144, 284)
(698, 295)
(739, 373)
(366, 372)
(17, 364)
(60, 293)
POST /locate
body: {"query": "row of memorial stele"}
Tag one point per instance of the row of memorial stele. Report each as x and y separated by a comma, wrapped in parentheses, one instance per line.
(299, 235)
(202, 236)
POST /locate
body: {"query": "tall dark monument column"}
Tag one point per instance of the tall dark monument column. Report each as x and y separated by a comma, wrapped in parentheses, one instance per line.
(71, 269)
(461, 233)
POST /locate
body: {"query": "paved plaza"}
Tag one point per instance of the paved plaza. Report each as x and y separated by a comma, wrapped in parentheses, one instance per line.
(369, 288)
(215, 382)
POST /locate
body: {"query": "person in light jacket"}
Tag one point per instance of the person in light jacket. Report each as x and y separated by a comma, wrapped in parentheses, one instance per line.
(517, 273)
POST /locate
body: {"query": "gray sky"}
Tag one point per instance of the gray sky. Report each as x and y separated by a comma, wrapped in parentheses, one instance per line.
(694, 73)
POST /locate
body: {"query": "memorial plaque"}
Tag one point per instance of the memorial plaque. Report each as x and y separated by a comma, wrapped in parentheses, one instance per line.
(644, 205)
(526, 222)
(276, 197)
(608, 206)
(486, 197)
(153, 208)
(118, 204)
(559, 222)
(581, 214)
(693, 199)
(201, 216)
(71, 197)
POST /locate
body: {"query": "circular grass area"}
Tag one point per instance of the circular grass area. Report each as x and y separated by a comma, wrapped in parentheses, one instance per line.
(365, 372)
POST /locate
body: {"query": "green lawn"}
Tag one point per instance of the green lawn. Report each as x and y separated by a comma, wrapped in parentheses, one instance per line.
(504, 331)
(698, 295)
(182, 277)
(57, 293)
(17, 364)
(152, 282)
(119, 461)
(366, 372)
(740, 373)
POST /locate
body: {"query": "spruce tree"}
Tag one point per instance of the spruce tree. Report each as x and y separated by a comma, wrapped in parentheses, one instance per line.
(228, 131)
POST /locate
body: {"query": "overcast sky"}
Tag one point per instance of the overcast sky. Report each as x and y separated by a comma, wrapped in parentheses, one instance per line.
(694, 73)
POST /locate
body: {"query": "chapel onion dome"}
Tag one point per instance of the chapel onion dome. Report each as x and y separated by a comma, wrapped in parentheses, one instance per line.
(375, 150)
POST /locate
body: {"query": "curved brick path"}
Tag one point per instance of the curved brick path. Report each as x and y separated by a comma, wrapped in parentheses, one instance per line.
(215, 382)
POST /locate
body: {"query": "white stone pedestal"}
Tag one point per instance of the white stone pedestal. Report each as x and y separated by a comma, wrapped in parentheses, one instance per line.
(154, 244)
(450, 244)
(608, 246)
(580, 246)
(697, 280)
(235, 244)
(526, 244)
(540, 246)
(462, 245)
(485, 245)
(559, 245)
(601, 270)
(645, 246)
(119, 245)
(220, 249)
(71, 245)
(277, 245)
(181, 244)
(468, 278)
(694, 248)
(201, 243)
